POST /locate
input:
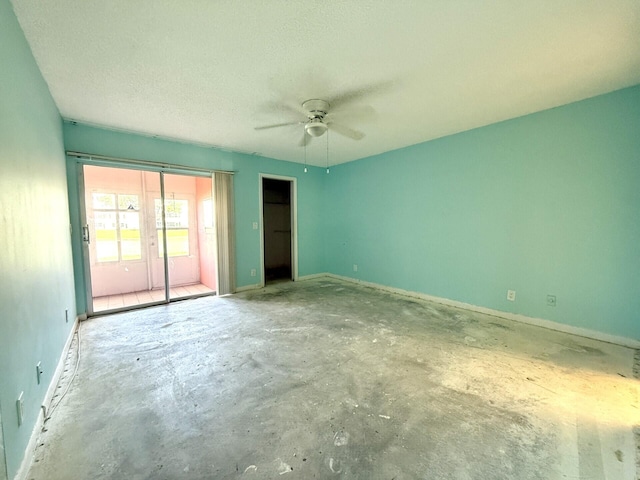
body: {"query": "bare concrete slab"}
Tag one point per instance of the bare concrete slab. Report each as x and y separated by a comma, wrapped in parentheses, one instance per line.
(325, 379)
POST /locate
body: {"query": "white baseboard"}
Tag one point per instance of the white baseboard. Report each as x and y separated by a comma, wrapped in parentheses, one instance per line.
(51, 390)
(256, 286)
(539, 322)
(312, 276)
(244, 288)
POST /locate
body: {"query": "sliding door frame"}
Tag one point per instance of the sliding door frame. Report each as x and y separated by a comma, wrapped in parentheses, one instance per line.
(84, 235)
(111, 162)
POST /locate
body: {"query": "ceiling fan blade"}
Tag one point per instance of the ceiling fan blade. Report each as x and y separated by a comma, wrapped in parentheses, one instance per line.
(278, 125)
(356, 112)
(286, 106)
(359, 93)
(304, 141)
(346, 131)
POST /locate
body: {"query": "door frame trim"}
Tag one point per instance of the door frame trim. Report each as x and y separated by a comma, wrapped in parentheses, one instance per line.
(294, 223)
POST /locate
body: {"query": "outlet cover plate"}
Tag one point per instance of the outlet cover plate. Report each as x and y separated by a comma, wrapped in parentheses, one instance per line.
(511, 295)
(551, 300)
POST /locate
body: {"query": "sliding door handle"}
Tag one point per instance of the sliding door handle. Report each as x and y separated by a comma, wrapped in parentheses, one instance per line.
(85, 233)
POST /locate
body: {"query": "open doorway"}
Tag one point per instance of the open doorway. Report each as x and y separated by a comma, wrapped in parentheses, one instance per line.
(278, 228)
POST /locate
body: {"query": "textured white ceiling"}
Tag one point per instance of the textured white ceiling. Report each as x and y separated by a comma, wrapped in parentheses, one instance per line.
(208, 72)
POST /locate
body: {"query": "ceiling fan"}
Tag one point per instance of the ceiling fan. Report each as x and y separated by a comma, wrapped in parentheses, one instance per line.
(319, 120)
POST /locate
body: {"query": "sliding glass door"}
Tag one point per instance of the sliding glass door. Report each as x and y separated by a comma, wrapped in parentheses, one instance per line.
(149, 237)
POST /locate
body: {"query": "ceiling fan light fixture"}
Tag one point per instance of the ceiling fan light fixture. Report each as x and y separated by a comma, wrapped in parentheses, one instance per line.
(315, 127)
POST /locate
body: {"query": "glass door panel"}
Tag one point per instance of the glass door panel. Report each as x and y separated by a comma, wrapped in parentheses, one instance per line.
(189, 266)
(119, 240)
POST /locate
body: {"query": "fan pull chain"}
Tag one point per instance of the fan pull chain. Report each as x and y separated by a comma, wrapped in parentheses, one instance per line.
(304, 140)
(327, 151)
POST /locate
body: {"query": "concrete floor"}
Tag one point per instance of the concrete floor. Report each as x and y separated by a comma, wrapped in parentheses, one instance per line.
(324, 379)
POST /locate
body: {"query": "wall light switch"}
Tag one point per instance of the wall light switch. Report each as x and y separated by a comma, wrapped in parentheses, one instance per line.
(253, 272)
(551, 300)
(355, 267)
(255, 225)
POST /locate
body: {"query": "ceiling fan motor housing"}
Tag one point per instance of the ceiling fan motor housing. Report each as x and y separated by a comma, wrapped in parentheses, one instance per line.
(316, 108)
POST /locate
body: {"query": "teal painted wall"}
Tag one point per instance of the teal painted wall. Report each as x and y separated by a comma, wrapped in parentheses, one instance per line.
(87, 139)
(36, 281)
(544, 204)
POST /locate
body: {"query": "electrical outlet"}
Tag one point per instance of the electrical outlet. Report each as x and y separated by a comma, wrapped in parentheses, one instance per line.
(38, 371)
(253, 272)
(551, 300)
(255, 225)
(355, 267)
(66, 316)
(20, 408)
(511, 295)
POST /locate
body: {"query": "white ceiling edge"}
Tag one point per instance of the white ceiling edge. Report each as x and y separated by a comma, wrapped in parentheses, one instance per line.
(207, 73)
(319, 161)
(153, 136)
